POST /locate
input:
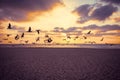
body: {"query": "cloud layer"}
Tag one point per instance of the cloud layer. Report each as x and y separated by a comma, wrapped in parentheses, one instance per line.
(101, 30)
(94, 12)
(117, 2)
(18, 10)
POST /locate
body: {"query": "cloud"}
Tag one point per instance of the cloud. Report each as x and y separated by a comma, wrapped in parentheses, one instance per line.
(103, 12)
(19, 29)
(68, 30)
(83, 12)
(117, 2)
(58, 29)
(90, 12)
(17, 10)
(101, 30)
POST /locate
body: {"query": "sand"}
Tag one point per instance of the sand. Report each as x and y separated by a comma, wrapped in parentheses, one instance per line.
(59, 64)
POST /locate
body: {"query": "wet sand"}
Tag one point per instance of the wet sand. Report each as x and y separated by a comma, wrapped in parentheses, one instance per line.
(59, 64)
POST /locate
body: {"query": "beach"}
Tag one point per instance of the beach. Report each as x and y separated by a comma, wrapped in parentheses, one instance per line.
(59, 64)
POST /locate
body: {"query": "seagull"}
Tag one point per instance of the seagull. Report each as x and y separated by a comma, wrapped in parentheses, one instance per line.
(38, 31)
(89, 32)
(84, 37)
(68, 37)
(17, 37)
(9, 26)
(102, 39)
(76, 37)
(8, 35)
(46, 36)
(22, 35)
(49, 40)
(26, 41)
(38, 39)
(29, 30)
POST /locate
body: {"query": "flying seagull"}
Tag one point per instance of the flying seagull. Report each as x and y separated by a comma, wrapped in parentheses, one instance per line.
(49, 40)
(38, 31)
(38, 39)
(76, 37)
(46, 36)
(9, 26)
(8, 35)
(17, 37)
(84, 37)
(22, 35)
(29, 30)
(68, 37)
(89, 32)
(102, 39)
(26, 41)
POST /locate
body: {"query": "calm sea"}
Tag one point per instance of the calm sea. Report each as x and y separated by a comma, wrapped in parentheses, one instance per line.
(99, 46)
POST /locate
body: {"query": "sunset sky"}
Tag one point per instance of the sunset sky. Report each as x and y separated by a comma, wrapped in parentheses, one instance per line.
(59, 19)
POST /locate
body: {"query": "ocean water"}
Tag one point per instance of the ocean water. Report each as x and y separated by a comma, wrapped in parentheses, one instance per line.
(98, 46)
(59, 64)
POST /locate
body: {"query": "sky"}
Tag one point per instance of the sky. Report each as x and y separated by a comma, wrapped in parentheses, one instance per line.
(60, 19)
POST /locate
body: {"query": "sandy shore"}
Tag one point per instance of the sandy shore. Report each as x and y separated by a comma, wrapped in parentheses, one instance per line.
(59, 64)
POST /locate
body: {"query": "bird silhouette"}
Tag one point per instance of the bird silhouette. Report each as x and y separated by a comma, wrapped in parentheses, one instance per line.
(22, 35)
(8, 35)
(84, 37)
(38, 38)
(26, 41)
(89, 32)
(76, 37)
(29, 30)
(46, 36)
(49, 40)
(17, 37)
(102, 39)
(9, 26)
(38, 31)
(68, 37)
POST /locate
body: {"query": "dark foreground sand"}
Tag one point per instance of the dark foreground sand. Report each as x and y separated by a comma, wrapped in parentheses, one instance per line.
(59, 64)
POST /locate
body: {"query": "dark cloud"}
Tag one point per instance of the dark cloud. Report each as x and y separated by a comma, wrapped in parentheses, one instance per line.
(101, 29)
(83, 10)
(112, 1)
(17, 9)
(58, 29)
(70, 31)
(91, 12)
(103, 12)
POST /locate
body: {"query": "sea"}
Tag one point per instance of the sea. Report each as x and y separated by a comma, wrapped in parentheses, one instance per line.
(98, 46)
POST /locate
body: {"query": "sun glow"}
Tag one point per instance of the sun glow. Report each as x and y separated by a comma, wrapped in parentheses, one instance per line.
(60, 17)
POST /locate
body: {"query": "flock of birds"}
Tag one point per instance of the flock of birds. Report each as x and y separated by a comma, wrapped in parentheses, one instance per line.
(17, 37)
(48, 38)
